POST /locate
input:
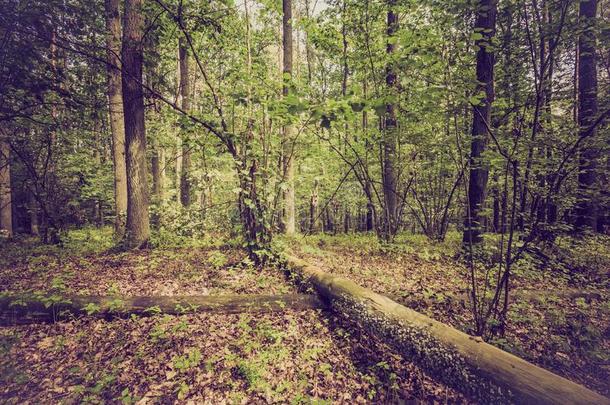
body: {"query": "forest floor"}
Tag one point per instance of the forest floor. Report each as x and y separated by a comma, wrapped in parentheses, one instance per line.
(559, 319)
(559, 316)
(291, 356)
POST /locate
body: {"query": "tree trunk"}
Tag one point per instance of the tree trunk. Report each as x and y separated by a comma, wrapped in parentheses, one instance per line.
(155, 164)
(49, 229)
(288, 135)
(390, 133)
(550, 203)
(185, 96)
(115, 108)
(347, 223)
(35, 309)
(308, 47)
(313, 209)
(465, 362)
(496, 203)
(477, 184)
(370, 207)
(157, 193)
(33, 211)
(586, 209)
(98, 207)
(138, 228)
(6, 205)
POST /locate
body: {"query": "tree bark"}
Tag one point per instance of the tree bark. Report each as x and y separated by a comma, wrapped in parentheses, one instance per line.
(370, 206)
(20, 310)
(390, 133)
(477, 184)
(138, 227)
(313, 209)
(496, 204)
(550, 203)
(289, 217)
(155, 163)
(587, 209)
(115, 108)
(6, 205)
(308, 47)
(157, 191)
(185, 96)
(33, 211)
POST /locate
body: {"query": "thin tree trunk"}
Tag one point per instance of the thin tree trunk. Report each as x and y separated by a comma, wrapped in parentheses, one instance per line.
(49, 226)
(33, 211)
(477, 184)
(370, 207)
(496, 204)
(313, 209)
(308, 48)
(390, 133)
(98, 209)
(185, 185)
(155, 167)
(550, 204)
(155, 164)
(287, 141)
(138, 227)
(6, 206)
(178, 146)
(586, 209)
(115, 108)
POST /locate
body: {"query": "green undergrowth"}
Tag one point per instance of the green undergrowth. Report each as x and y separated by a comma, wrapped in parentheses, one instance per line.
(87, 263)
(368, 243)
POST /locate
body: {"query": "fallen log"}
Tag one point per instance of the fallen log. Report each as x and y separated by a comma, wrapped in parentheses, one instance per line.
(464, 362)
(30, 308)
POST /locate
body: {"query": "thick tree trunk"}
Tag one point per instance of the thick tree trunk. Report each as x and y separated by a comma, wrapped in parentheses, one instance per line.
(390, 133)
(115, 108)
(185, 96)
(138, 227)
(6, 205)
(289, 217)
(465, 362)
(587, 209)
(36, 309)
(477, 184)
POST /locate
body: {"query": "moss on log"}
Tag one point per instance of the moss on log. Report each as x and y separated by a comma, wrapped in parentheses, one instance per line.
(464, 362)
(26, 309)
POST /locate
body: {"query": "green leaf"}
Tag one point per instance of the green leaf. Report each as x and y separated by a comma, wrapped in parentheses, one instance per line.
(357, 107)
(476, 36)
